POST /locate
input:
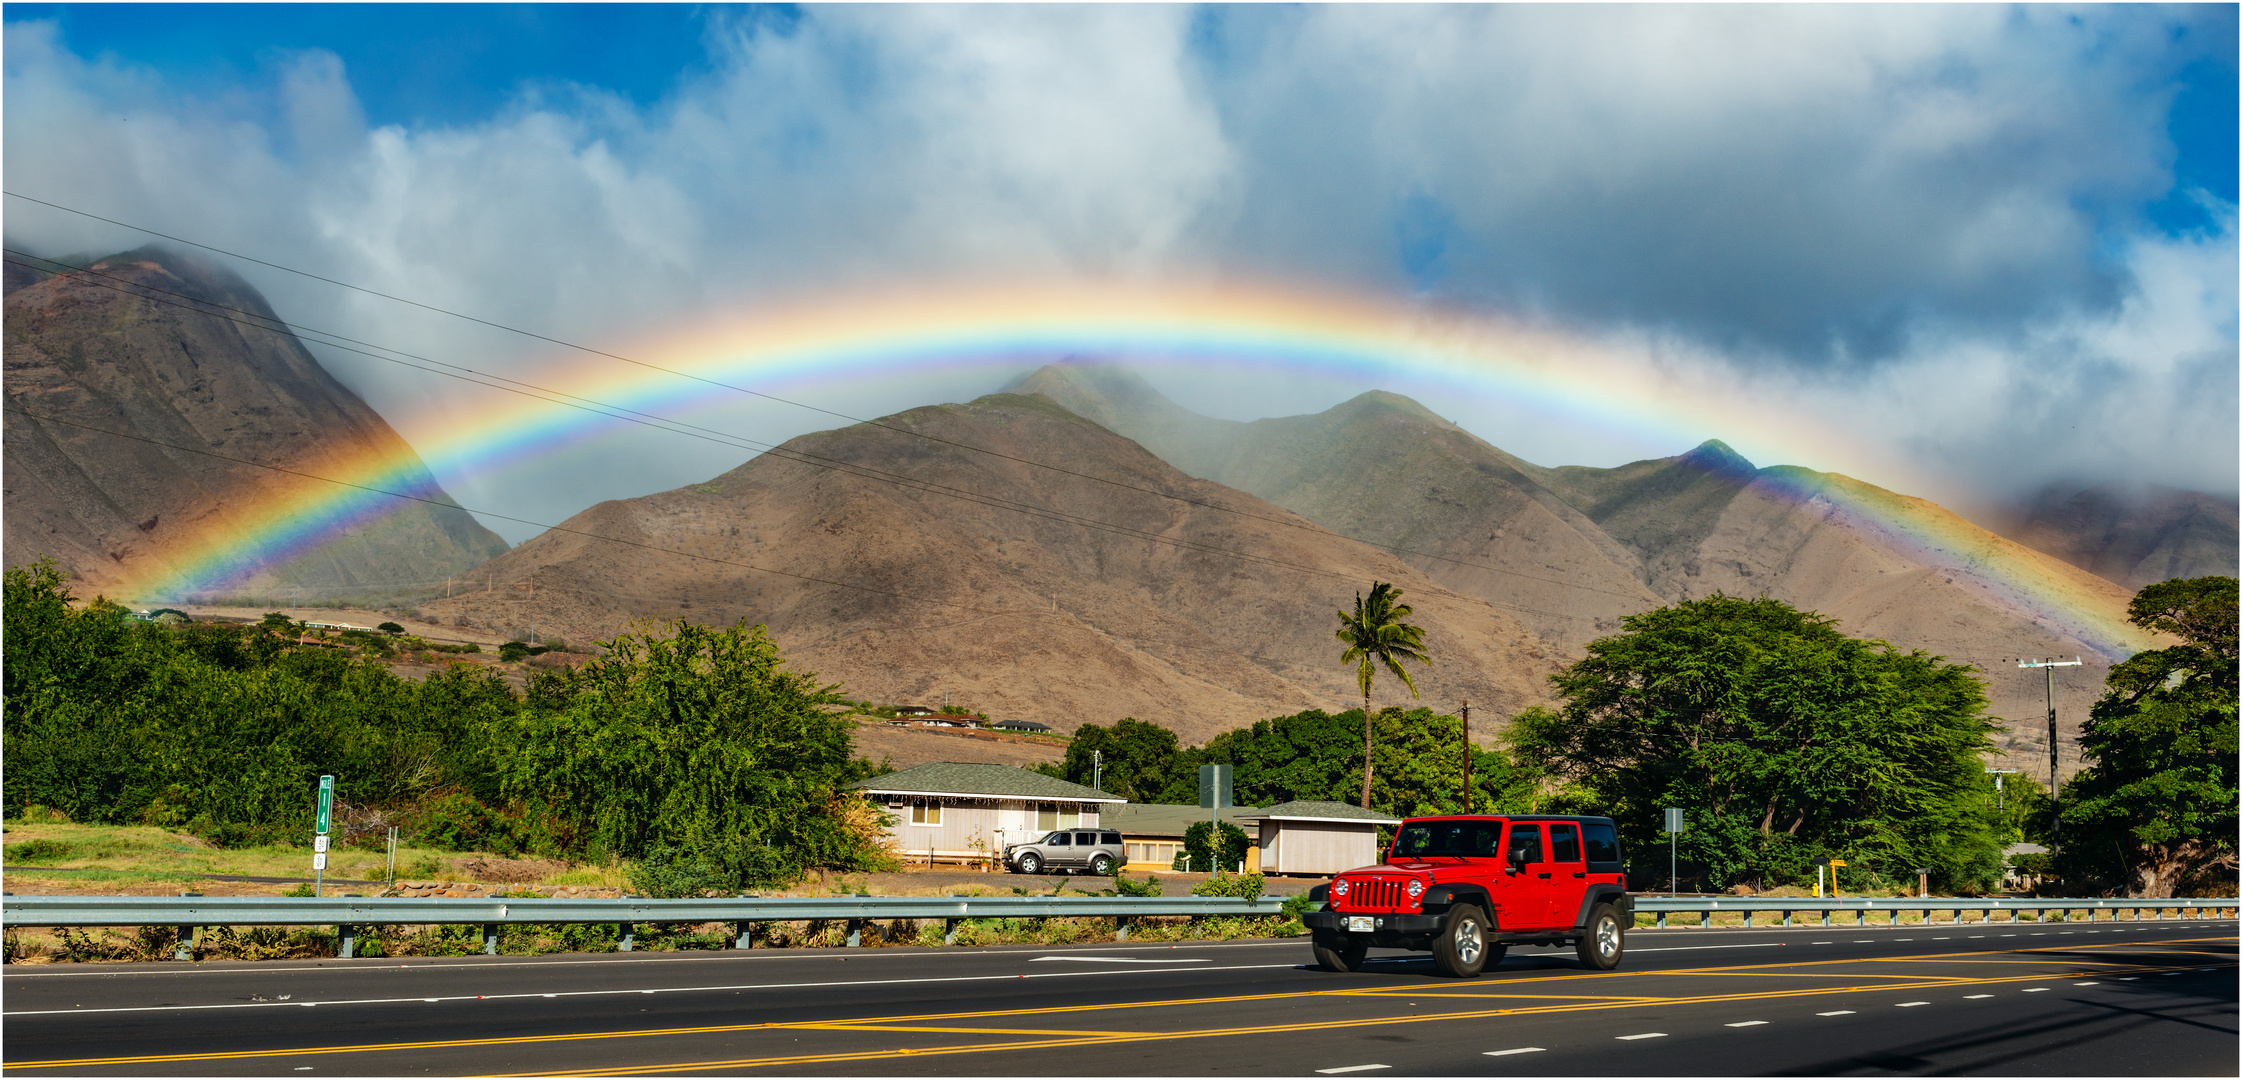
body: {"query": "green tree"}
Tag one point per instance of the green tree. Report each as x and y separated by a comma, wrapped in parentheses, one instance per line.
(1199, 843)
(1783, 737)
(1375, 636)
(2156, 809)
(1140, 761)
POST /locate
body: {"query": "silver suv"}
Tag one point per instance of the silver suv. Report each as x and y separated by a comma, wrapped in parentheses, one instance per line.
(1097, 850)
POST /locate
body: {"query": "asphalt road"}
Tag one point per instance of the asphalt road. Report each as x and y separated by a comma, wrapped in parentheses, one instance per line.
(2013, 999)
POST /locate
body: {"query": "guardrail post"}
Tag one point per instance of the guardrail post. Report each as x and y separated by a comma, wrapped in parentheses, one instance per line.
(1661, 920)
(347, 945)
(627, 932)
(1825, 916)
(1747, 918)
(490, 939)
(740, 935)
(1120, 928)
(1786, 918)
(856, 933)
(1895, 916)
(190, 937)
(950, 931)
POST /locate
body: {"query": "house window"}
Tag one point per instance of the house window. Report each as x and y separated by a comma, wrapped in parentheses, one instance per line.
(1049, 817)
(926, 813)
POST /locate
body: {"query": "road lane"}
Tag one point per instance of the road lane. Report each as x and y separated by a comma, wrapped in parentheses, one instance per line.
(2115, 998)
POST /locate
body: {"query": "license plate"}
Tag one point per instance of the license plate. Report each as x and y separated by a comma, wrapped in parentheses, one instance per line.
(1361, 924)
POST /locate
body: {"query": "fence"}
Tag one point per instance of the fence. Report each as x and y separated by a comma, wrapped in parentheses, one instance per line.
(347, 913)
(1891, 906)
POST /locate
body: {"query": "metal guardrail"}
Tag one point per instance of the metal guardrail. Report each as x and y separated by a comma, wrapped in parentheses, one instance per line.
(1863, 906)
(349, 912)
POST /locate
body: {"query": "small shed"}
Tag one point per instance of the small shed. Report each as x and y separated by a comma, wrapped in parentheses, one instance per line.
(1314, 837)
(966, 811)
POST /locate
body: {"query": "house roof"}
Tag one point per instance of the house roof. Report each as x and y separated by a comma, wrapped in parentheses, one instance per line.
(1164, 819)
(980, 778)
(1321, 810)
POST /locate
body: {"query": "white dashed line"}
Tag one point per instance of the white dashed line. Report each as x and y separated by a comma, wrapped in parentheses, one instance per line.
(1821, 943)
(1910, 1004)
(1840, 1012)
(1903, 939)
(2036, 990)
(1975, 997)
(1746, 1023)
(2130, 978)
(1514, 1050)
(2086, 984)
(1644, 1035)
(1350, 1069)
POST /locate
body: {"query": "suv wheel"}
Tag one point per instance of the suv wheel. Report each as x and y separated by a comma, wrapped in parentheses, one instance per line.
(1031, 863)
(1101, 865)
(1603, 940)
(1461, 949)
(1337, 953)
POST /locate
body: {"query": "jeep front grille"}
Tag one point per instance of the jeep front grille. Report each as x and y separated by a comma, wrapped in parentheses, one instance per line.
(1373, 894)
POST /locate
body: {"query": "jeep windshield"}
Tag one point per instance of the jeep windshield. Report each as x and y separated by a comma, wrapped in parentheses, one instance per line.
(1462, 839)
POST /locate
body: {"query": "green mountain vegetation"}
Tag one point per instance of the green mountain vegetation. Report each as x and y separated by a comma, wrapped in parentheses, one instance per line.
(682, 739)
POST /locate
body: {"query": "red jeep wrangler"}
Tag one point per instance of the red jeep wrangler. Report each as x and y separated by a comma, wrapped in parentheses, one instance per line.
(1469, 887)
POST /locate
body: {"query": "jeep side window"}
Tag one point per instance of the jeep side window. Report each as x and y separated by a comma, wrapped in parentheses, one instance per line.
(1525, 843)
(1564, 843)
(1603, 844)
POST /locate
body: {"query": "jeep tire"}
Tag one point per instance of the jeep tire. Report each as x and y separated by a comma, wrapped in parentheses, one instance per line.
(1461, 948)
(1603, 940)
(1337, 953)
(1101, 865)
(1030, 863)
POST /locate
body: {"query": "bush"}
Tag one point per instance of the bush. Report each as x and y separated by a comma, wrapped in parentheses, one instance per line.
(1197, 845)
(1123, 885)
(1246, 886)
(513, 652)
(39, 852)
(460, 822)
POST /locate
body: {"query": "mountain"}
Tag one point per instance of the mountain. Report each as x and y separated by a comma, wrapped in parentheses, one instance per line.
(138, 346)
(1387, 471)
(1108, 584)
(2134, 536)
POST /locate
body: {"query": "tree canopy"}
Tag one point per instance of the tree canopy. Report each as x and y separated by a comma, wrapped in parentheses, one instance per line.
(1782, 739)
(1376, 636)
(2155, 811)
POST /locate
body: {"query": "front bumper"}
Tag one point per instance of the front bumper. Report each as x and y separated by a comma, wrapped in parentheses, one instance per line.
(1384, 922)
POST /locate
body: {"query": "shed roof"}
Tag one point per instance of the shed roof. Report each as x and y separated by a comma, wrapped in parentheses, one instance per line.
(1165, 819)
(1321, 810)
(980, 778)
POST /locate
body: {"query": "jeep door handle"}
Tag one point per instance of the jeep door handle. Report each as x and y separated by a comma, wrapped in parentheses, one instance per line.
(1582, 875)
(1545, 874)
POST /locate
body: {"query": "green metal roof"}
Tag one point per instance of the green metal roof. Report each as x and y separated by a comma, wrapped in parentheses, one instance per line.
(980, 778)
(1320, 810)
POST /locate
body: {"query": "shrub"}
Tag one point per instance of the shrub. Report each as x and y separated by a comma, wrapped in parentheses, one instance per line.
(390, 628)
(1123, 885)
(1196, 843)
(39, 852)
(513, 652)
(1247, 886)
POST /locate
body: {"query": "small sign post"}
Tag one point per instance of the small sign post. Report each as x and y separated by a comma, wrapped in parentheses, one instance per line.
(1834, 891)
(319, 837)
(1214, 794)
(1673, 830)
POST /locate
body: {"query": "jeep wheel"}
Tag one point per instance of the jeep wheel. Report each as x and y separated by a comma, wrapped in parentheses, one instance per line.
(1461, 949)
(1031, 863)
(1101, 865)
(1603, 940)
(1338, 953)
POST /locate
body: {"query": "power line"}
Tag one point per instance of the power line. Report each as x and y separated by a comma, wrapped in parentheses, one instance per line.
(829, 412)
(561, 398)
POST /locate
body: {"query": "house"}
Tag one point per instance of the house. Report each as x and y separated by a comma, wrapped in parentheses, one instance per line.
(1029, 726)
(1313, 837)
(962, 811)
(1153, 832)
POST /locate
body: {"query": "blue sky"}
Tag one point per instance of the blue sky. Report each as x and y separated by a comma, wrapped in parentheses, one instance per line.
(1998, 241)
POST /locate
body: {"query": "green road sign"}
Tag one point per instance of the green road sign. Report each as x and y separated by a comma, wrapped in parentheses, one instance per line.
(1214, 786)
(326, 802)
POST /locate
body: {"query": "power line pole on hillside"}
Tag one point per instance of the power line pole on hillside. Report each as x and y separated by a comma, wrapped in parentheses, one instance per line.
(1468, 807)
(2054, 782)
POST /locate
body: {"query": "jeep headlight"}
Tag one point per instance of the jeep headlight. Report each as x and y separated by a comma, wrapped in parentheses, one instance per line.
(1416, 889)
(1339, 887)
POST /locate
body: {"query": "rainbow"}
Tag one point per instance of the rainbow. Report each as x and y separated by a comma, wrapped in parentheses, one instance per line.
(787, 349)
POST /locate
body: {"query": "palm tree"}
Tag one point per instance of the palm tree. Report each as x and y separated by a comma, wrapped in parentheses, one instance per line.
(1376, 635)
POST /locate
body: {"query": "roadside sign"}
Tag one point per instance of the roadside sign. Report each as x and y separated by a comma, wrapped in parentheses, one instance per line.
(319, 861)
(1673, 819)
(1214, 786)
(319, 843)
(326, 802)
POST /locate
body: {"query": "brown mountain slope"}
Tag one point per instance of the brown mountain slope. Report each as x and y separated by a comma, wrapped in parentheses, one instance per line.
(1885, 565)
(2134, 537)
(1014, 612)
(1383, 469)
(113, 511)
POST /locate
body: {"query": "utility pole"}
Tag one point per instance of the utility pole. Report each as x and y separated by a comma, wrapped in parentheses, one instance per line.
(1097, 769)
(2054, 783)
(1998, 804)
(1468, 807)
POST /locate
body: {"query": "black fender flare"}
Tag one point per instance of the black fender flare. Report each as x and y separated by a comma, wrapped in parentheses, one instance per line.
(1614, 895)
(1320, 894)
(1439, 897)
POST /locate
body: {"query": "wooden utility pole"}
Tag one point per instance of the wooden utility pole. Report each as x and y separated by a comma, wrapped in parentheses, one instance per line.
(1468, 800)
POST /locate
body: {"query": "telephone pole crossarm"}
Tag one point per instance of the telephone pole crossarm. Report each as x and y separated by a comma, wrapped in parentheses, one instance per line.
(2054, 780)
